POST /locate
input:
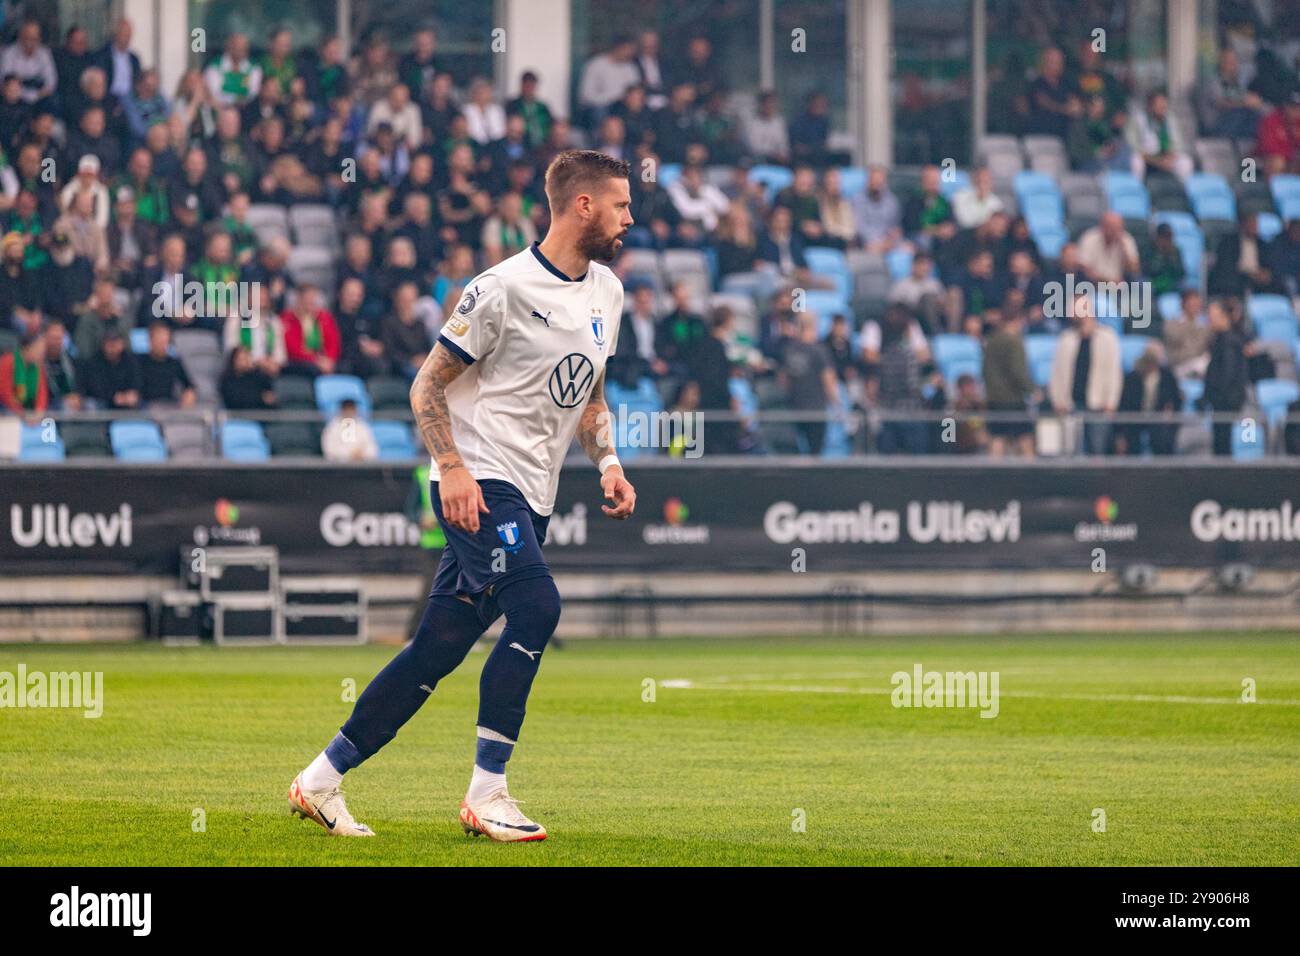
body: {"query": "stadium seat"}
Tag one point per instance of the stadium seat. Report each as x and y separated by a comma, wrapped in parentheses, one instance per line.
(395, 441)
(244, 440)
(1274, 395)
(33, 446)
(1131, 348)
(314, 225)
(310, 264)
(825, 304)
(1193, 389)
(269, 221)
(743, 392)
(1218, 156)
(1050, 240)
(1269, 224)
(205, 371)
(952, 183)
(1289, 208)
(85, 439)
(1168, 305)
(853, 180)
(955, 353)
(1181, 223)
(1272, 317)
(186, 440)
(825, 261)
(136, 439)
(772, 178)
(296, 439)
(1042, 210)
(1030, 183)
(668, 174)
(899, 263)
(1284, 186)
(1126, 195)
(192, 342)
(294, 392)
(1040, 349)
(140, 341)
(1247, 439)
(389, 393)
(332, 390)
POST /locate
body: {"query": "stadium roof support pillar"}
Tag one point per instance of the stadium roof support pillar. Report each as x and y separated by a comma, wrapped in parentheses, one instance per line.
(979, 73)
(537, 37)
(871, 62)
(1180, 43)
(162, 39)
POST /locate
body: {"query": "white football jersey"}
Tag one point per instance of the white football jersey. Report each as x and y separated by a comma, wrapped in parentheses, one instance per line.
(536, 342)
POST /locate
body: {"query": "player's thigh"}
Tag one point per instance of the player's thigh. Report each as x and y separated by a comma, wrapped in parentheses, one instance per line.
(507, 544)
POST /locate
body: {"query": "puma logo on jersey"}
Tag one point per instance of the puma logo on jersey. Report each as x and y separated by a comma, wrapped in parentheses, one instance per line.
(545, 318)
(532, 655)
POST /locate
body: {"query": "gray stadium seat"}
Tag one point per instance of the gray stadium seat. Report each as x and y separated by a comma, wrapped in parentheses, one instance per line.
(186, 439)
(192, 342)
(268, 221)
(675, 262)
(293, 438)
(205, 371)
(308, 264)
(314, 225)
(294, 392)
(1218, 155)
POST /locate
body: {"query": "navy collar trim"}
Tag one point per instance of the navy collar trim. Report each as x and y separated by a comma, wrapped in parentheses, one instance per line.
(549, 266)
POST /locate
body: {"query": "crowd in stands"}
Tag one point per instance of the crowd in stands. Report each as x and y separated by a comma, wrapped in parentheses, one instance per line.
(357, 196)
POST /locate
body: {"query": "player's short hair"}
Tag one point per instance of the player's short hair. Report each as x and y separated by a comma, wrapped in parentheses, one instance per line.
(578, 170)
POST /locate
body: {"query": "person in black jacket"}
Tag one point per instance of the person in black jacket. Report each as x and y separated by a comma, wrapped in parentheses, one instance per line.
(162, 376)
(1150, 388)
(243, 384)
(1226, 376)
(112, 377)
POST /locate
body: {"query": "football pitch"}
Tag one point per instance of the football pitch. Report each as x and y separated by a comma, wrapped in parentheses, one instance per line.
(1105, 750)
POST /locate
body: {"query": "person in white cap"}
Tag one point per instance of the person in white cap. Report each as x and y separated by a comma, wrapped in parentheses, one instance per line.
(87, 180)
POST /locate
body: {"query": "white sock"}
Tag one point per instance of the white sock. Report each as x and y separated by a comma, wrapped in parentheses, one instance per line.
(483, 784)
(321, 775)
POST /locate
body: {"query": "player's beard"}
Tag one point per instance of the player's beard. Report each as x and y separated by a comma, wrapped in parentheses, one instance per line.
(595, 244)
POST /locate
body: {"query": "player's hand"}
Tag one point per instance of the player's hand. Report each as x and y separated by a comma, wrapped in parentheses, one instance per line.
(462, 499)
(618, 490)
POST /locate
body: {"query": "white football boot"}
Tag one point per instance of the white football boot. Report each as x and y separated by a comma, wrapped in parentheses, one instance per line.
(327, 808)
(498, 818)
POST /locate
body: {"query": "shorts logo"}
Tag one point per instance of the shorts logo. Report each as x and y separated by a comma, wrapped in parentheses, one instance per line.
(571, 380)
(509, 535)
(598, 328)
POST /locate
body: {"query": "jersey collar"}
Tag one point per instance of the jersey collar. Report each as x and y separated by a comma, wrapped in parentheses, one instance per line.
(549, 266)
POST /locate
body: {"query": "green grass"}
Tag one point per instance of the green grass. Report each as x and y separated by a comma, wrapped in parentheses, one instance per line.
(709, 774)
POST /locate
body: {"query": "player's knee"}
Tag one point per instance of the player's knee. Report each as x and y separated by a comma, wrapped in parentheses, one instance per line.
(532, 604)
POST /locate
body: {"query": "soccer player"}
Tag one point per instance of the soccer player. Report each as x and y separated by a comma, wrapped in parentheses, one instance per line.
(517, 371)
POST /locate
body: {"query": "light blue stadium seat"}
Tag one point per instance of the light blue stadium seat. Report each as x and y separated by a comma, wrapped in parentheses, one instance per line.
(1040, 370)
(1274, 395)
(1192, 248)
(1042, 209)
(773, 178)
(949, 187)
(140, 341)
(1126, 195)
(899, 263)
(836, 443)
(832, 263)
(743, 392)
(1289, 207)
(955, 354)
(244, 440)
(1029, 183)
(1050, 240)
(825, 304)
(1270, 225)
(395, 441)
(1040, 348)
(1207, 184)
(853, 180)
(956, 368)
(1131, 347)
(1169, 305)
(35, 448)
(1271, 310)
(1193, 389)
(1242, 449)
(1283, 187)
(669, 173)
(136, 440)
(1182, 223)
(1215, 207)
(332, 390)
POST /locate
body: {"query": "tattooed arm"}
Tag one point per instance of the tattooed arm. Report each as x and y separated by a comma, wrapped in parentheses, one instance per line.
(595, 434)
(462, 499)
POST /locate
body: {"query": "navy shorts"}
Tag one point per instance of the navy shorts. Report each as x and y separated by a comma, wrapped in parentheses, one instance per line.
(508, 546)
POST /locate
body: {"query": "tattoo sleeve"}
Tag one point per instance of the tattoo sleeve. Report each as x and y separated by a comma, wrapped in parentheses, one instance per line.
(429, 403)
(595, 429)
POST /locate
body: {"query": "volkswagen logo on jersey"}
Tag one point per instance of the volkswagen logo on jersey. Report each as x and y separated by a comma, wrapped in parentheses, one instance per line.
(598, 328)
(509, 535)
(571, 380)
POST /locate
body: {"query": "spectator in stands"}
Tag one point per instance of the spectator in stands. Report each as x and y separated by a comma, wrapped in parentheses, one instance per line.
(898, 359)
(418, 66)
(637, 120)
(1150, 389)
(928, 218)
(485, 116)
(1008, 386)
(164, 287)
(1095, 81)
(921, 292)
(680, 332)
(1053, 98)
(766, 137)
(636, 355)
(508, 231)
(92, 136)
(878, 214)
(811, 130)
(14, 111)
(146, 105)
(605, 77)
(261, 333)
(70, 61)
(807, 376)
(1226, 375)
(736, 241)
(32, 62)
(611, 138)
(675, 126)
(1165, 269)
(364, 351)
(311, 339)
(453, 276)
(1187, 337)
(405, 337)
(1025, 277)
(709, 384)
(1107, 251)
(87, 180)
(24, 387)
(218, 272)
(972, 433)
(348, 437)
(244, 386)
(21, 287)
(1278, 137)
(782, 248)
(1087, 374)
(87, 237)
(535, 113)
(840, 346)
(1240, 262)
(103, 317)
(973, 206)
(1282, 257)
(132, 244)
(149, 190)
(112, 376)
(981, 293)
(194, 109)
(1226, 106)
(1157, 140)
(839, 226)
(61, 374)
(800, 197)
(271, 269)
(163, 379)
(234, 79)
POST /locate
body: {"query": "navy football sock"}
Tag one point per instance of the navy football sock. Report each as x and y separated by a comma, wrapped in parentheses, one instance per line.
(532, 609)
(447, 631)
